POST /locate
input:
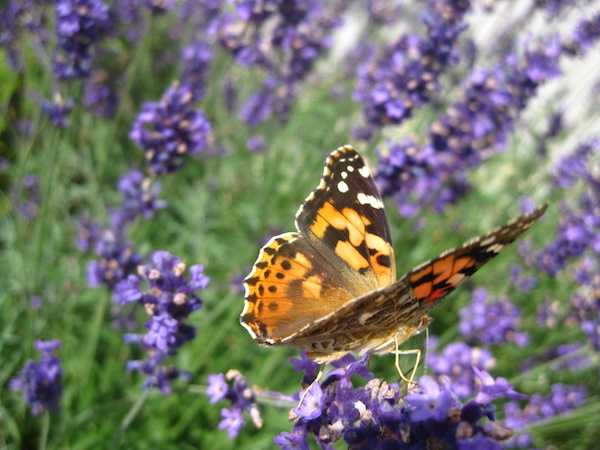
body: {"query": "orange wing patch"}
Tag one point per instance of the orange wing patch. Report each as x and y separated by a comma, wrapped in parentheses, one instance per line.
(439, 277)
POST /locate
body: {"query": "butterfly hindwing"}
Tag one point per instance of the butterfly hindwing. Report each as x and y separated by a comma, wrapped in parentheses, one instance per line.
(290, 286)
(344, 219)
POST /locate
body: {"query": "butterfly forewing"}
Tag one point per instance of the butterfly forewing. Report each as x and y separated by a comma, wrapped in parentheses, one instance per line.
(435, 279)
(344, 219)
(398, 309)
(341, 252)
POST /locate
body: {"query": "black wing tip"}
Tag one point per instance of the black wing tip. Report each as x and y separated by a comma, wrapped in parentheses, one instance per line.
(537, 212)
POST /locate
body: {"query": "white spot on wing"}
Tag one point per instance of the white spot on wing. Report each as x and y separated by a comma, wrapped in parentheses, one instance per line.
(350, 168)
(364, 171)
(365, 199)
(342, 187)
(488, 241)
(496, 248)
(344, 175)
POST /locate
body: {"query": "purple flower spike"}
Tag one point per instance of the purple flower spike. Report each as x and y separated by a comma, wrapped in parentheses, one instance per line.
(25, 196)
(561, 400)
(168, 300)
(491, 321)
(456, 363)
(241, 397)
(117, 260)
(41, 382)
(79, 25)
(139, 196)
(169, 129)
(197, 57)
(58, 110)
(585, 35)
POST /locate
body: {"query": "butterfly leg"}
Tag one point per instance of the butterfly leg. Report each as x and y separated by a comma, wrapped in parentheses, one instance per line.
(316, 380)
(397, 353)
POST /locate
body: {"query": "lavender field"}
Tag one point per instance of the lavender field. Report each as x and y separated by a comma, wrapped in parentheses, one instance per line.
(149, 149)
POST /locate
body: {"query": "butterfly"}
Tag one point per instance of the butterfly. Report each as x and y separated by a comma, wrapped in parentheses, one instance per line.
(330, 288)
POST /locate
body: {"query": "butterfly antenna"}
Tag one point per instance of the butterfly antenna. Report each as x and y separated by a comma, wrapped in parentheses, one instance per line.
(426, 351)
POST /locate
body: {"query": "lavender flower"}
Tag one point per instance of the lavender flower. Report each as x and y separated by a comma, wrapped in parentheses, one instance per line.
(572, 240)
(491, 322)
(405, 74)
(521, 282)
(290, 441)
(259, 105)
(197, 59)
(384, 12)
(284, 39)
(256, 143)
(217, 387)
(26, 196)
(58, 110)
(88, 233)
(20, 19)
(579, 227)
(572, 357)
(475, 126)
(456, 362)
(584, 36)
(168, 301)
(139, 196)
(79, 25)
(306, 365)
(549, 314)
(585, 303)
(578, 237)
(41, 382)
(101, 94)
(117, 259)
(432, 402)
(129, 16)
(233, 421)
(241, 397)
(561, 400)
(376, 416)
(35, 302)
(169, 129)
(568, 169)
(494, 388)
(311, 406)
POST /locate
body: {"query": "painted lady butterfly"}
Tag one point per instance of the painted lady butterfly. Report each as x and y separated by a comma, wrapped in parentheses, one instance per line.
(331, 287)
